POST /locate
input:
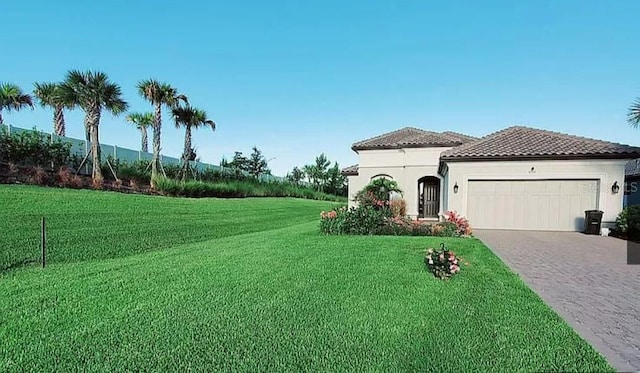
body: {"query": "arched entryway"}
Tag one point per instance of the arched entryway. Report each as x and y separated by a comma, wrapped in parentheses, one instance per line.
(428, 197)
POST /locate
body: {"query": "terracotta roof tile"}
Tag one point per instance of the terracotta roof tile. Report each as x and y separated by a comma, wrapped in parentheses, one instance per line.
(411, 137)
(525, 142)
(350, 171)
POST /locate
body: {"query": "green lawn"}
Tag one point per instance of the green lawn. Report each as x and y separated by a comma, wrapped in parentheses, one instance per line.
(85, 225)
(279, 299)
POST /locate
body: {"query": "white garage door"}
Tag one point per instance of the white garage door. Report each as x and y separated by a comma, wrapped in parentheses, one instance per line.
(531, 204)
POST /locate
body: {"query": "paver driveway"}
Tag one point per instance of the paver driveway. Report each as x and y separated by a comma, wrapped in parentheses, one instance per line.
(586, 279)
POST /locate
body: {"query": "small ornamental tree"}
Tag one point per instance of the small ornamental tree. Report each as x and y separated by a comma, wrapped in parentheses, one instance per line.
(377, 190)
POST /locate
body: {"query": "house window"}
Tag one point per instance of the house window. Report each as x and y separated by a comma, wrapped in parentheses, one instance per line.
(381, 176)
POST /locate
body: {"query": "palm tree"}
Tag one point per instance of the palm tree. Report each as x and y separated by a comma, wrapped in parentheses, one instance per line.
(633, 116)
(142, 121)
(12, 98)
(189, 117)
(49, 95)
(92, 91)
(158, 94)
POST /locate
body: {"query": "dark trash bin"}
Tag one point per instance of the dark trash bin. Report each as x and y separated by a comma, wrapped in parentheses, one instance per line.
(592, 221)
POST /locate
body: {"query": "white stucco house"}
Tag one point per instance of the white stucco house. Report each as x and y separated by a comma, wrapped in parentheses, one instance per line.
(518, 178)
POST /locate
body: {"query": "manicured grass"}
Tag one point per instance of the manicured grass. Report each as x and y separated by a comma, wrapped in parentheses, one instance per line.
(85, 225)
(278, 299)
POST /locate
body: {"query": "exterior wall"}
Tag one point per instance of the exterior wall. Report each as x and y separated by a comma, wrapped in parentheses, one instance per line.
(405, 166)
(606, 171)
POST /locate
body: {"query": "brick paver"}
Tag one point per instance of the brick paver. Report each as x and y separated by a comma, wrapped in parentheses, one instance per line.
(586, 279)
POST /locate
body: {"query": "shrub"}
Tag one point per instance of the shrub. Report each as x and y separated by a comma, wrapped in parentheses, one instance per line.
(138, 171)
(375, 191)
(442, 262)
(398, 207)
(13, 169)
(37, 176)
(332, 222)
(462, 224)
(628, 222)
(368, 220)
(76, 182)
(64, 177)
(117, 184)
(97, 184)
(445, 229)
(237, 189)
(34, 149)
(379, 189)
(363, 220)
(403, 226)
(133, 184)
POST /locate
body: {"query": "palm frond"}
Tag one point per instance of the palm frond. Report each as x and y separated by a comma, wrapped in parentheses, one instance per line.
(141, 120)
(90, 88)
(13, 98)
(633, 115)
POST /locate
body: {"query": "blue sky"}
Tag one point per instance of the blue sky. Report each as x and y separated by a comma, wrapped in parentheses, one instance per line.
(297, 78)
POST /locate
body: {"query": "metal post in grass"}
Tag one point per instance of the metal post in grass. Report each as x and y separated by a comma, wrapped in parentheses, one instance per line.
(43, 240)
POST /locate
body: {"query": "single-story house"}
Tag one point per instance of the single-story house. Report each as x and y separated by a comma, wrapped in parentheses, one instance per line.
(517, 178)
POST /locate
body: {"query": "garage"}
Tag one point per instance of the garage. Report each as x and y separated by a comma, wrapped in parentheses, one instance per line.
(557, 205)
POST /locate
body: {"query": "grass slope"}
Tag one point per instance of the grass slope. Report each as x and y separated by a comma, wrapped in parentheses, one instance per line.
(286, 299)
(85, 225)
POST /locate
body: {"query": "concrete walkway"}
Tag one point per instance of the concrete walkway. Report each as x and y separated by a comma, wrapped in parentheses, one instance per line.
(586, 279)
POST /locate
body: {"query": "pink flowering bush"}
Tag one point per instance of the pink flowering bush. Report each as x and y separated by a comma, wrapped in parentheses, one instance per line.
(443, 263)
(462, 224)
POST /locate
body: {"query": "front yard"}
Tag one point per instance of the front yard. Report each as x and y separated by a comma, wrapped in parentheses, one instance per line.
(283, 299)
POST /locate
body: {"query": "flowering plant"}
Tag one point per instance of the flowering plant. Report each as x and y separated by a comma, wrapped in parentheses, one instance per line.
(442, 262)
(329, 215)
(462, 224)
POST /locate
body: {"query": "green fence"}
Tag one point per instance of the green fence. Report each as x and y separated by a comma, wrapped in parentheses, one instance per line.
(81, 147)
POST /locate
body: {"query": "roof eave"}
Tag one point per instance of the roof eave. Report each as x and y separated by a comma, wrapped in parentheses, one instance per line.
(404, 146)
(538, 157)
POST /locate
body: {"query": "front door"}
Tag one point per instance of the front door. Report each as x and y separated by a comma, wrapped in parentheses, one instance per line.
(429, 204)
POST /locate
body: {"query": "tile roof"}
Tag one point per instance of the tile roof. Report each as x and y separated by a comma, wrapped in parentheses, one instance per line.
(411, 137)
(350, 171)
(460, 136)
(525, 142)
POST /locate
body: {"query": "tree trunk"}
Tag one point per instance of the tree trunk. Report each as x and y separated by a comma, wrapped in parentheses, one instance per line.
(155, 160)
(145, 139)
(1, 120)
(58, 121)
(87, 128)
(93, 118)
(186, 154)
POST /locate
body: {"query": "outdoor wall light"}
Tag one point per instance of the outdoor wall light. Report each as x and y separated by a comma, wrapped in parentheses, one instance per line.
(615, 188)
(455, 188)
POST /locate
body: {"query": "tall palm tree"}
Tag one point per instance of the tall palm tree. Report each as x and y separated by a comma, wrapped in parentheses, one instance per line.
(142, 121)
(190, 118)
(158, 94)
(12, 98)
(633, 116)
(49, 95)
(92, 91)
